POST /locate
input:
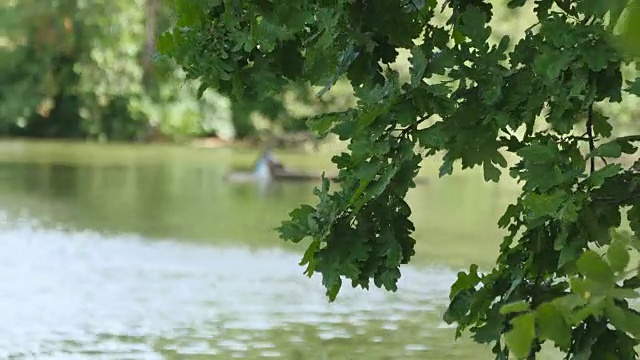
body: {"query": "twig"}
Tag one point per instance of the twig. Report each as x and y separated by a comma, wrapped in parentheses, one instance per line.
(422, 119)
(415, 7)
(592, 161)
(528, 30)
(603, 160)
(444, 6)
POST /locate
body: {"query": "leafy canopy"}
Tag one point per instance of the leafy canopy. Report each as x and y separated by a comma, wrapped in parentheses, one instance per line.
(527, 108)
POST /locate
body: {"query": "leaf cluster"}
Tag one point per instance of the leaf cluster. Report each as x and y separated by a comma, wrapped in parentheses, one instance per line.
(564, 273)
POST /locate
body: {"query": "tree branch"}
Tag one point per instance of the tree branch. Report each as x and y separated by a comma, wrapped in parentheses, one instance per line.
(592, 161)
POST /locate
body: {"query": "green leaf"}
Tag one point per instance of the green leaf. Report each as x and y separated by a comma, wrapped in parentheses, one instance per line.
(601, 125)
(166, 43)
(491, 331)
(518, 306)
(630, 29)
(512, 4)
(552, 325)
(458, 307)
(520, 338)
(626, 143)
(465, 281)
(569, 254)
(511, 212)
(312, 224)
(633, 282)
(633, 215)
(539, 153)
(367, 170)
(580, 287)
(473, 25)
(378, 186)
(618, 256)
(322, 124)
(620, 293)
(458, 36)
(595, 7)
(201, 89)
(598, 177)
(544, 204)
(393, 254)
(432, 137)
(591, 265)
(623, 319)
(388, 278)
(333, 288)
(634, 86)
(610, 149)
(189, 14)
(307, 258)
(616, 315)
(568, 212)
(446, 168)
(491, 173)
(418, 65)
(594, 307)
(296, 229)
(550, 64)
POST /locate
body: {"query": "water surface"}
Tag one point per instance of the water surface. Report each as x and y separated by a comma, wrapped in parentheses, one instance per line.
(142, 252)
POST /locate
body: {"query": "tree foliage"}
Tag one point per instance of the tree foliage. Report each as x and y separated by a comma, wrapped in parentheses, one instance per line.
(74, 68)
(566, 273)
(250, 91)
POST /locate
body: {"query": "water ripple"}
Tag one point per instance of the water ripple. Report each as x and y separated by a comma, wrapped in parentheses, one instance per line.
(83, 295)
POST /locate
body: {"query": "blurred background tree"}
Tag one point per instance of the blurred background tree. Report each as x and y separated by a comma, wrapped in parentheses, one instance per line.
(88, 69)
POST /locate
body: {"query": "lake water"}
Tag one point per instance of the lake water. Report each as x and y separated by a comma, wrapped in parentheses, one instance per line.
(143, 252)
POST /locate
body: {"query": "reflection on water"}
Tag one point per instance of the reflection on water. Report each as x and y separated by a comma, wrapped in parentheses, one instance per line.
(155, 200)
(85, 294)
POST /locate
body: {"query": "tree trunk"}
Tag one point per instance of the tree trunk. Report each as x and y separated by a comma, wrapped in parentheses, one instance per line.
(151, 26)
(241, 118)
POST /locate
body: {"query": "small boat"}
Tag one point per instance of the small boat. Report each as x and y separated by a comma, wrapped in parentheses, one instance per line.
(269, 169)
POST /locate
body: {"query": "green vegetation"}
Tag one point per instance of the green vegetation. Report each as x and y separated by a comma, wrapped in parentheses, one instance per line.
(77, 69)
(535, 104)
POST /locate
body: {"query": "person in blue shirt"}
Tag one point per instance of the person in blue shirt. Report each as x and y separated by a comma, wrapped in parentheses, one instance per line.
(267, 165)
